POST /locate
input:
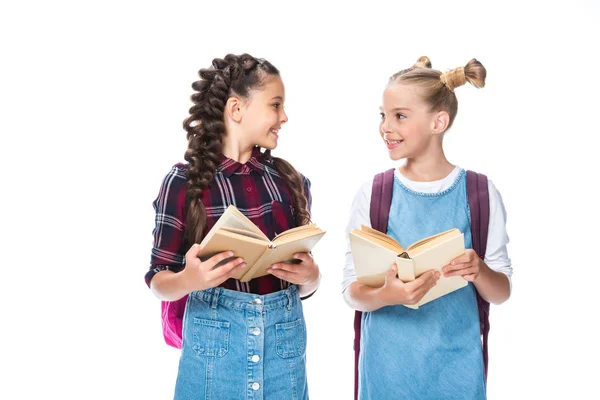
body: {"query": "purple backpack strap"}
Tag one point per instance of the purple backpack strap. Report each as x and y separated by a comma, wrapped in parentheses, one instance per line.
(381, 202)
(479, 205)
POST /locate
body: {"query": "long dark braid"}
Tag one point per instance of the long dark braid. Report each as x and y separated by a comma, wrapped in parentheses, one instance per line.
(205, 127)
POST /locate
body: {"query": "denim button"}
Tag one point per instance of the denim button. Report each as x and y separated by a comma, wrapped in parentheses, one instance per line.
(255, 386)
(256, 331)
(255, 358)
(257, 301)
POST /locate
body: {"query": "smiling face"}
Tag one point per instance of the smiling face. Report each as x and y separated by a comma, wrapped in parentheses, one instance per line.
(263, 113)
(407, 124)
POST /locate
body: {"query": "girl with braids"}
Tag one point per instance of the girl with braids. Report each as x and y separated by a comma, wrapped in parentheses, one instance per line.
(434, 352)
(240, 340)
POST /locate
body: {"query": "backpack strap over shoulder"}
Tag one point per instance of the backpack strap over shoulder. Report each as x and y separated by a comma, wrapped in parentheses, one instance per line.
(381, 200)
(479, 206)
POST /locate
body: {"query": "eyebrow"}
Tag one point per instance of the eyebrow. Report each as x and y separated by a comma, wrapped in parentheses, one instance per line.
(398, 109)
(277, 98)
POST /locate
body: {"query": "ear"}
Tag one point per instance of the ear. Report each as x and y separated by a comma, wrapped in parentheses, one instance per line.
(440, 122)
(233, 108)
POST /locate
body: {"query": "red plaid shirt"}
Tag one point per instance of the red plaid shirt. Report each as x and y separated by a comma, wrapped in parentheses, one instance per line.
(255, 188)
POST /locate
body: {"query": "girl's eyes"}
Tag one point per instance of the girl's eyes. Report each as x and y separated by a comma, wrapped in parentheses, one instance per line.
(399, 116)
(277, 105)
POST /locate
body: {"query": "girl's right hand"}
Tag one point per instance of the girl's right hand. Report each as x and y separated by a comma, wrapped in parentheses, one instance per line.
(200, 275)
(394, 291)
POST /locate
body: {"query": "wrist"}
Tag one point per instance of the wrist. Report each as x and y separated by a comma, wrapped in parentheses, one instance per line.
(313, 283)
(184, 282)
(382, 295)
(484, 272)
(308, 288)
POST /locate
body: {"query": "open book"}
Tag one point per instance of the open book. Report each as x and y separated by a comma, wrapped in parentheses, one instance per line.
(234, 232)
(374, 253)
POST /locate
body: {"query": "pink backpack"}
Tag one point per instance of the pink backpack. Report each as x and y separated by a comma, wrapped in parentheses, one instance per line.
(172, 321)
(478, 198)
(172, 311)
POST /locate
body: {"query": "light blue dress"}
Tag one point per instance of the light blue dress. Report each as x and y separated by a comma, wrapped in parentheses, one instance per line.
(434, 352)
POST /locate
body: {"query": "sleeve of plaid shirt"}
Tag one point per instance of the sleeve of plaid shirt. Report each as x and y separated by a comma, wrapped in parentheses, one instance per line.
(167, 251)
(307, 192)
(309, 199)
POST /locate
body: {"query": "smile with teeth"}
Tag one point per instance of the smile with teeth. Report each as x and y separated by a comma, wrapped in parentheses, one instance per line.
(275, 131)
(392, 142)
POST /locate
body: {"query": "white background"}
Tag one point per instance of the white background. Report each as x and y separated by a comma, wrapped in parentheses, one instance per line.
(92, 99)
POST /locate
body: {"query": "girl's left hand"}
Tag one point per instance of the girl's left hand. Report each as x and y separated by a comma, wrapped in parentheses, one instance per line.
(303, 273)
(468, 266)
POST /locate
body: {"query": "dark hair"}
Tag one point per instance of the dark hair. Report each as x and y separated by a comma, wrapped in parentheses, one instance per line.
(232, 76)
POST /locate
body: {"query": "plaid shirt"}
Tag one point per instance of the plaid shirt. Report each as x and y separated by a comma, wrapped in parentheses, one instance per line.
(255, 188)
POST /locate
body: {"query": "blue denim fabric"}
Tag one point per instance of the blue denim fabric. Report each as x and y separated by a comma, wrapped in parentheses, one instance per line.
(243, 346)
(433, 352)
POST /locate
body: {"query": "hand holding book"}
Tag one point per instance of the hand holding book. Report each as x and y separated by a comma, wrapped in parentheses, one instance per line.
(394, 291)
(304, 272)
(201, 275)
(374, 251)
(467, 265)
(236, 233)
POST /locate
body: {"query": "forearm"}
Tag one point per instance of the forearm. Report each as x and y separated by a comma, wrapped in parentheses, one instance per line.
(493, 286)
(169, 285)
(364, 298)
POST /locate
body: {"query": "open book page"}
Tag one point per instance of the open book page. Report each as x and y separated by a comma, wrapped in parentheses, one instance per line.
(281, 253)
(372, 258)
(391, 245)
(294, 231)
(246, 233)
(431, 241)
(382, 236)
(250, 249)
(435, 255)
(297, 234)
(233, 218)
(439, 255)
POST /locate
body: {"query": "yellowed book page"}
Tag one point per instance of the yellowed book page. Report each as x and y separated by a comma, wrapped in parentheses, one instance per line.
(436, 258)
(281, 253)
(251, 270)
(372, 259)
(440, 255)
(233, 218)
(431, 241)
(294, 230)
(378, 240)
(246, 233)
(249, 249)
(382, 236)
(297, 236)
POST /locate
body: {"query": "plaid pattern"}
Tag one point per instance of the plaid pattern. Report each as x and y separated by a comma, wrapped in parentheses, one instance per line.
(255, 188)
